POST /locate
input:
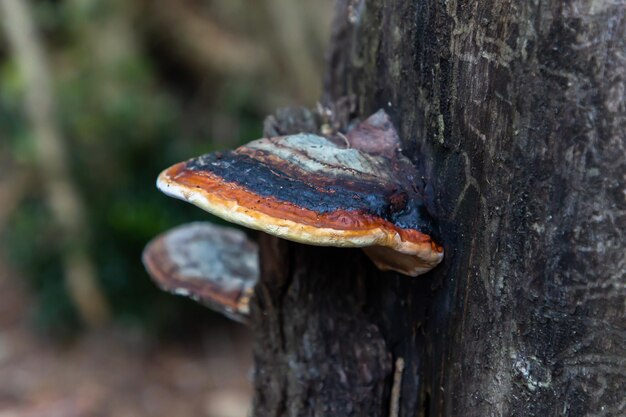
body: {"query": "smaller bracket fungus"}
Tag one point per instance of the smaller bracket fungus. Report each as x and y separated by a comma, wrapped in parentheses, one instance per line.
(217, 266)
(356, 190)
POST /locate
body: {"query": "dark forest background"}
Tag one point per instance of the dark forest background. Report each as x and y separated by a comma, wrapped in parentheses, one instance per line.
(136, 86)
(139, 86)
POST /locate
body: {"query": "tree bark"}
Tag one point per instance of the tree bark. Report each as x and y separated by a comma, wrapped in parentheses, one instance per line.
(514, 113)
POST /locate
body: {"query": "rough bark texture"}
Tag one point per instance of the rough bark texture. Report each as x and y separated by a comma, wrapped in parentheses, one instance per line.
(515, 113)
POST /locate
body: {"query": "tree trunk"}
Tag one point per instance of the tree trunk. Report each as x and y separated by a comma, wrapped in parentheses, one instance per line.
(514, 112)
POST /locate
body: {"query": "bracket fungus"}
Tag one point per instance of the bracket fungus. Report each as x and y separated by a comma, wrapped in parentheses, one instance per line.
(353, 190)
(217, 266)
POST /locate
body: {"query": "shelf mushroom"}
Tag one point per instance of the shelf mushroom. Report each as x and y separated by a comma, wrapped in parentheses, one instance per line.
(216, 266)
(356, 190)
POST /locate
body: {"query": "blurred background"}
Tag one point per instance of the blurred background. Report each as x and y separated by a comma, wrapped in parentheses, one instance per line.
(96, 98)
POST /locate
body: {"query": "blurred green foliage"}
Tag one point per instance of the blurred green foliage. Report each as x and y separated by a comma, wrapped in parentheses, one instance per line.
(123, 121)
